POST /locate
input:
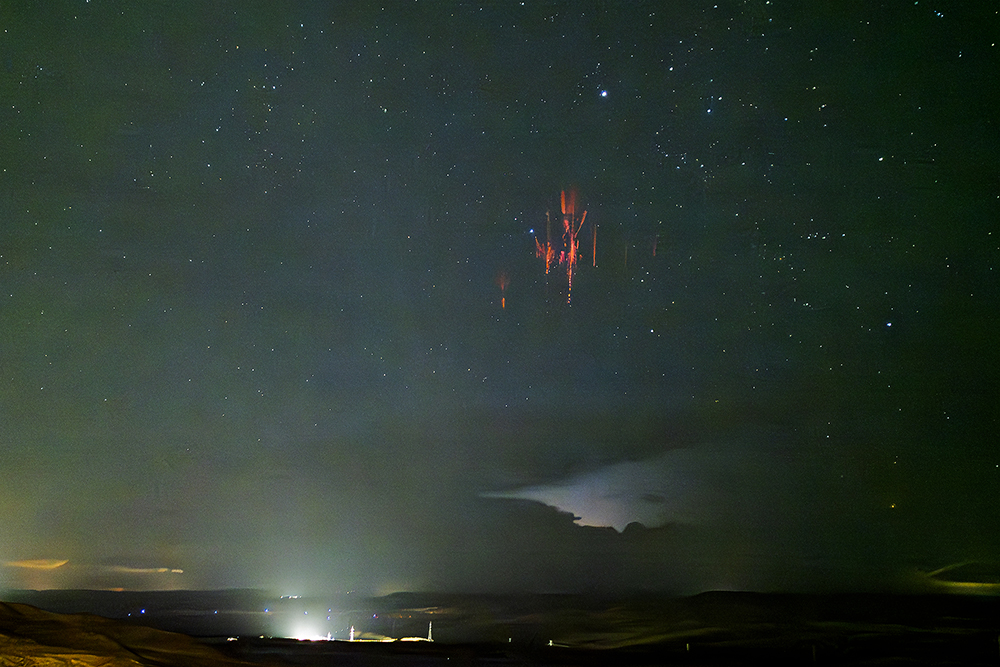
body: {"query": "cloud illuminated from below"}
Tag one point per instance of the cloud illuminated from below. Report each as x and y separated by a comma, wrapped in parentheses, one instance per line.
(654, 492)
(144, 570)
(37, 563)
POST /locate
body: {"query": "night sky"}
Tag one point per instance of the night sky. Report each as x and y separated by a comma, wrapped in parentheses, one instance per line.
(252, 330)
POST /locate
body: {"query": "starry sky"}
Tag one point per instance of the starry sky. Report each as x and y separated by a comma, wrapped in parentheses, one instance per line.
(272, 316)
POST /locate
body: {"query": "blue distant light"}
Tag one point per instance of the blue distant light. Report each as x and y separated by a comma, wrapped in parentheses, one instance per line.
(603, 93)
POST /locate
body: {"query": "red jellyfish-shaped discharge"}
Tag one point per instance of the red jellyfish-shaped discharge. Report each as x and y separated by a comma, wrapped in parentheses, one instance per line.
(572, 224)
(502, 282)
(564, 248)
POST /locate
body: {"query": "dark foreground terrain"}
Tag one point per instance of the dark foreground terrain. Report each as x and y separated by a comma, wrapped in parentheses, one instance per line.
(249, 627)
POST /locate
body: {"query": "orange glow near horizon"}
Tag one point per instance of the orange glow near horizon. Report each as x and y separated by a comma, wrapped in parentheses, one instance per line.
(38, 563)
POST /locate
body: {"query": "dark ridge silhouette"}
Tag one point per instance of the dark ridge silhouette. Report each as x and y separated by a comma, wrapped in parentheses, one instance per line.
(31, 636)
(712, 628)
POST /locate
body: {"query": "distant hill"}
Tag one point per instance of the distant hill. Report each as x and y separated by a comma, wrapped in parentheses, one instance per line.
(30, 636)
(712, 628)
